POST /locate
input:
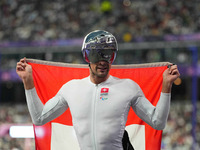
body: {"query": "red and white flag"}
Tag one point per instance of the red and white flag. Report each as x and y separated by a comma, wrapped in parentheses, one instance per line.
(59, 133)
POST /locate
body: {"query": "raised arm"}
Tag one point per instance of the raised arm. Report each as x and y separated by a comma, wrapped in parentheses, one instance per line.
(157, 116)
(40, 113)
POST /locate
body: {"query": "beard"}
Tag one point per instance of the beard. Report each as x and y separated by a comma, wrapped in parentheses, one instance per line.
(101, 71)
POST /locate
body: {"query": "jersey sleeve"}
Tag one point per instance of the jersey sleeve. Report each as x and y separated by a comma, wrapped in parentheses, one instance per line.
(43, 113)
(155, 116)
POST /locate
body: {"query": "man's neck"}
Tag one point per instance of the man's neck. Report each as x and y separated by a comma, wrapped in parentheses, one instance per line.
(97, 80)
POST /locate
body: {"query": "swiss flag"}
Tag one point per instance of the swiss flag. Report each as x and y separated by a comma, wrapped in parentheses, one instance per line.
(104, 90)
(59, 134)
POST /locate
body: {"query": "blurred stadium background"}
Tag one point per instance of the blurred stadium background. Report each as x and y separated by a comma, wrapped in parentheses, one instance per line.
(147, 31)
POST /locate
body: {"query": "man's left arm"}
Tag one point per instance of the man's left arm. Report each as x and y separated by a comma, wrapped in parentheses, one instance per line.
(163, 105)
(157, 116)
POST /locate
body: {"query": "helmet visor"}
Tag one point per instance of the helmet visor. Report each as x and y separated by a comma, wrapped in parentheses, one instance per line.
(96, 55)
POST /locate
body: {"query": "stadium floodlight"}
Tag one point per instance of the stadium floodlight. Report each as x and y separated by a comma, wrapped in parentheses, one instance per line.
(21, 132)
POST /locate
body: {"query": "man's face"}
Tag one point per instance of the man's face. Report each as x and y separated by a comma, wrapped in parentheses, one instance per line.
(100, 69)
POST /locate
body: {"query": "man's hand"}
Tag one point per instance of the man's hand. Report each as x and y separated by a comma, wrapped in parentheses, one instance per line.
(24, 71)
(169, 76)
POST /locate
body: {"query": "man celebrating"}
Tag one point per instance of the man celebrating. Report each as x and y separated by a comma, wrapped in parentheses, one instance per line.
(99, 103)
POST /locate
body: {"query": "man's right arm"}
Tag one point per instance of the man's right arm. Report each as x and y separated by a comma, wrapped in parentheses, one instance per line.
(40, 113)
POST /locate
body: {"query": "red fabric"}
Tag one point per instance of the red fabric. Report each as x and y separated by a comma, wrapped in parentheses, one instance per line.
(49, 79)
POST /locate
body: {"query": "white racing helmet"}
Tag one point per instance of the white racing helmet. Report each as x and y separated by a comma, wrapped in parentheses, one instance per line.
(99, 45)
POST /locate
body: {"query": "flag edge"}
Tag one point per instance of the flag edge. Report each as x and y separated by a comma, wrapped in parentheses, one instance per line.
(62, 64)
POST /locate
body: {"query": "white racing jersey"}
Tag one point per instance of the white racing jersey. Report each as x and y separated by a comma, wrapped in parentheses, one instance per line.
(99, 112)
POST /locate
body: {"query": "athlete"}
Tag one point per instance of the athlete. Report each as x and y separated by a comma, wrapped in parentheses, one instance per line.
(99, 124)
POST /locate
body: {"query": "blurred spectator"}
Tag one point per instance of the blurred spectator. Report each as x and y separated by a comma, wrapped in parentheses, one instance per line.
(12, 115)
(49, 20)
(178, 133)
